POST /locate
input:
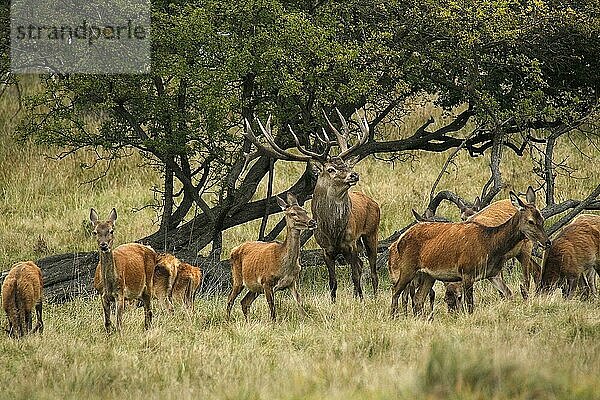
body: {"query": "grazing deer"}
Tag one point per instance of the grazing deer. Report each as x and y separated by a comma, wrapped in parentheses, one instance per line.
(574, 252)
(463, 251)
(165, 273)
(346, 221)
(266, 267)
(494, 215)
(187, 284)
(21, 291)
(123, 273)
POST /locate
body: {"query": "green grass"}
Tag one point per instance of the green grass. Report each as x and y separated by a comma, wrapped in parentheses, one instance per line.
(546, 348)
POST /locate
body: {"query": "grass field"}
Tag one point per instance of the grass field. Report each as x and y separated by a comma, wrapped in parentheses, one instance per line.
(546, 348)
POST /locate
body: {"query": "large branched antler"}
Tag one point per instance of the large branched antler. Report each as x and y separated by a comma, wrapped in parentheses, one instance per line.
(342, 138)
(273, 150)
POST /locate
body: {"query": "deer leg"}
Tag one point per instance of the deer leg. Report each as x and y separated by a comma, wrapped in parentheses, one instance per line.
(569, 288)
(371, 250)
(431, 298)
(351, 255)
(524, 258)
(407, 294)
(268, 288)
(120, 308)
(498, 282)
(147, 301)
(422, 292)
(235, 292)
(247, 301)
(468, 292)
(397, 290)
(330, 262)
(39, 325)
(106, 305)
(297, 297)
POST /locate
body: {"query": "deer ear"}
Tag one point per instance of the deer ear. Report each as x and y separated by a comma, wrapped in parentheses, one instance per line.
(530, 195)
(316, 166)
(281, 203)
(351, 162)
(93, 216)
(516, 201)
(113, 215)
(477, 204)
(417, 216)
(292, 200)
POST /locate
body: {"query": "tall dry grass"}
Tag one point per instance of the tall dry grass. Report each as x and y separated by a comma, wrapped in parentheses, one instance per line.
(546, 348)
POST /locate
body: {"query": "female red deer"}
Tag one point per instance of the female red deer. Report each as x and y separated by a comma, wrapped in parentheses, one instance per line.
(494, 215)
(125, 273)
(574, 252)
(21, 291)
(165, 273)
(267, 267)
(187, 284)
(466, 251)
(346, 221)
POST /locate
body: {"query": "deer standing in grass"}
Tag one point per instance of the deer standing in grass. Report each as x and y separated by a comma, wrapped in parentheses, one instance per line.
(573, 256)
(266, 267)
(165, 273)
(464, 251)
(123, 273)
(21, 292)
(187, 284)
(346, 221)
(494, 215)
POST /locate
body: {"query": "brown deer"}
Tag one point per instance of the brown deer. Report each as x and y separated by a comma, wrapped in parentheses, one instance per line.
(21, 291)
(125, 273)
(463, 251)
(187, 284)
(165, 273)
(346, 221)
(453, 290)
(574, 252)
(494, 215)
(266, 267)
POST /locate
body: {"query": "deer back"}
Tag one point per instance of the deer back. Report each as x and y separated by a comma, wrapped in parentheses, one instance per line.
(21, 290)
(495, 214)
(575, 249)
(134, 264)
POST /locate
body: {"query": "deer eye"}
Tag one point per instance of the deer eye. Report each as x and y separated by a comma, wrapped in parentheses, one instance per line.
(111, 231)
(531, 222)
(330, 170)
(94, 233)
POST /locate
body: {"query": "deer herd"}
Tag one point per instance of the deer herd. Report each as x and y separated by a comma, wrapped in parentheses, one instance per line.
(345, 225)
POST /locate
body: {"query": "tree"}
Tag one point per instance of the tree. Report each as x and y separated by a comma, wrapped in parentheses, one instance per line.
(517, 72)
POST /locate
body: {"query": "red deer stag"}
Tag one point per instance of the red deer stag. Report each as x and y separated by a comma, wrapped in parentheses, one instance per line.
(494, 215)
(21, 291)
(574, 252)
(187, 284)
(266, 267)
(463, 251)
(346, 221)
(123, 273)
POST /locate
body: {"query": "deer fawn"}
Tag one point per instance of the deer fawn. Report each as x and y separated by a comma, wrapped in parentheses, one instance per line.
(573, 256)
(494, 215)
(187, 284)
(165, 273)
(123, 273)
(346, 221)
(464, 251)
(267, 267)
(21, 291)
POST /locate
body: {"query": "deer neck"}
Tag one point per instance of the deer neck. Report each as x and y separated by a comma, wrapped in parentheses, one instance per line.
(332, 211)
(291, 252)
(505, 237)
(109, 272)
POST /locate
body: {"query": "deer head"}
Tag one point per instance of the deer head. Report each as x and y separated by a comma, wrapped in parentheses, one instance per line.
(531, 222)
(103, 230)
(466, 211)
(296, 217)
